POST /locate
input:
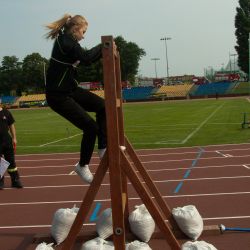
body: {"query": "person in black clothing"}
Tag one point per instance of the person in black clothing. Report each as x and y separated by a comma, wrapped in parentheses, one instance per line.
(7, 144)
(63, 94)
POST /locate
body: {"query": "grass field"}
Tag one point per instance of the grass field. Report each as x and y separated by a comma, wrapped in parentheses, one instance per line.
(147, 125)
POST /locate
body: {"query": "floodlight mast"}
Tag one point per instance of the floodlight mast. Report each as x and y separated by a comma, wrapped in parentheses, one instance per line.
(155, 59)
(166, 47)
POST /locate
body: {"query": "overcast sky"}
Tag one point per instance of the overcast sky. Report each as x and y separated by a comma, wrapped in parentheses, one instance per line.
(202, 31)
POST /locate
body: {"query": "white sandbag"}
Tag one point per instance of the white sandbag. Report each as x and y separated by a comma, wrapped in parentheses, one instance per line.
(197, 245)
(189, 220)
(62, 222)
(137, 245)
(44, 246)
(104, 224)
(142, 223)
(98, 244)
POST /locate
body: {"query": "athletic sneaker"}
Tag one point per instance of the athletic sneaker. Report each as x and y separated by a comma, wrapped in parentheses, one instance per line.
(84, 173)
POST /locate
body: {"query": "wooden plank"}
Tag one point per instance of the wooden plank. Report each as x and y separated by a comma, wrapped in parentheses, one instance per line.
(86, 204)
(121, 133)
(113, 143)
(152, 187)
(147, 200)
(118, 103)
(124, 201)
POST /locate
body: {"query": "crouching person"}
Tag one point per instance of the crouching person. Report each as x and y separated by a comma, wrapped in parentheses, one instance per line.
(7, 144)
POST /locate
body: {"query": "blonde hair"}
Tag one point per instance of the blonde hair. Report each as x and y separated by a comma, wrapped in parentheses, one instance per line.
(68, 23)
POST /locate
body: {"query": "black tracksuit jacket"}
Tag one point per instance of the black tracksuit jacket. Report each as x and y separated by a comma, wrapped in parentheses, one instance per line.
(72, 102)
(61, 75)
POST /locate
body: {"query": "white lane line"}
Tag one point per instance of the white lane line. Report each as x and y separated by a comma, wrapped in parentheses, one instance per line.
(133, 198)
(155, 181)
(138, 153)
(191, 159)
(44, 175)
(233, 149)
(48, 159)
(218, 152)
(202, 124)
(37, 226)
(93, 224)
(144, 162)
(56, 166)
(224, 155)
(29, 226)
(227, 218)
(245, 166)
(63, 139)
(54, 145)
(157, 149)
(148, 170)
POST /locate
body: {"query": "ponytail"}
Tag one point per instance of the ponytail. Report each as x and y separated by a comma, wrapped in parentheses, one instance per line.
(56, 26)
(67, 22)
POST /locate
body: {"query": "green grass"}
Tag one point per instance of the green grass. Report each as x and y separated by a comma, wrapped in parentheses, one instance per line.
(147, 125)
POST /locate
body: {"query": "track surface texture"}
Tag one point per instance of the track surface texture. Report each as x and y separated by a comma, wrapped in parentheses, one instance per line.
(216, 179)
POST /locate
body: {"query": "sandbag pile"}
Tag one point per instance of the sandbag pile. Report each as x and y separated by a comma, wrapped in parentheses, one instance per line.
(189, 221)
(98, 244)
(197, 245)
(142, 223)
(44, 246)
(62, 222)
(137, 245)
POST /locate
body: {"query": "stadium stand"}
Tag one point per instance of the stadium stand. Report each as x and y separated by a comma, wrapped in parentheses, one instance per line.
(173, 91)
(99, 93)
(30, 100)
(211, 89)
(240, 88)
(137, 93)
(8, 100)
(179, 91)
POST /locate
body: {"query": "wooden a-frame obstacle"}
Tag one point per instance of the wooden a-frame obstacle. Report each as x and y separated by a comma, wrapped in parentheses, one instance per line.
(122, 165)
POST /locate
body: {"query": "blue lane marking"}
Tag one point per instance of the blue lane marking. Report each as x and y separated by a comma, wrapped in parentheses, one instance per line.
(187, 173)
(178, 187)
(94, 216)
(194, 163)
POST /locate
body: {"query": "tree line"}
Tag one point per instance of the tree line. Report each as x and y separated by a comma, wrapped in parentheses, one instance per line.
(29, 75)
(242, 25)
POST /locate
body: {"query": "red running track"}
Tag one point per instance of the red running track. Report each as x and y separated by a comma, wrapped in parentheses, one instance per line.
(216, 179)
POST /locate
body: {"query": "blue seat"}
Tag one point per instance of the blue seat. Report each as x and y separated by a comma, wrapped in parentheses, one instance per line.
(137, 93)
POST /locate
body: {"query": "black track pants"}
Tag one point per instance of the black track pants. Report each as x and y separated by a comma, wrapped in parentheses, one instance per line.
(74, 107)
(7, 150)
